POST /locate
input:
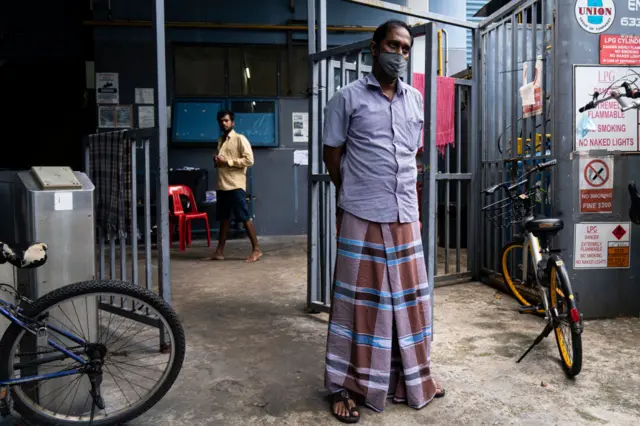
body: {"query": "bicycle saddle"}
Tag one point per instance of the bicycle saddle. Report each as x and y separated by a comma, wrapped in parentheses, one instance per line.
(634, 210)
(28, 256)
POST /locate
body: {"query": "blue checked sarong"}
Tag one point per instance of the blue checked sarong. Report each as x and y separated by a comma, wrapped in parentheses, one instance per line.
(379, 340)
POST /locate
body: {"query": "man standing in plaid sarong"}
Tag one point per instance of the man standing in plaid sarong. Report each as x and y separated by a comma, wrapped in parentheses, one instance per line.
(378, 344)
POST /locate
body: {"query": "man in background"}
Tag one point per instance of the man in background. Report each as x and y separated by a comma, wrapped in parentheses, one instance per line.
(233, 156)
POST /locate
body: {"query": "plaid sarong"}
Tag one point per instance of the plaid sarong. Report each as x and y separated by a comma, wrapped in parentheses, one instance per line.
(110, 172)
(378, 344)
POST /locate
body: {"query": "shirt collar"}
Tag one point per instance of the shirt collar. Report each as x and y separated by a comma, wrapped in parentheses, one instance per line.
(231, 134)
(372, 81)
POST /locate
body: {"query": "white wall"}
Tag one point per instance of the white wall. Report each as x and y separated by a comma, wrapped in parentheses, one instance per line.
(6, 277)
(417, 53)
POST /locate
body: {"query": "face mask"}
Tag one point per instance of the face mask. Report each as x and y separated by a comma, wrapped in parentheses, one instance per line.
(393, 64)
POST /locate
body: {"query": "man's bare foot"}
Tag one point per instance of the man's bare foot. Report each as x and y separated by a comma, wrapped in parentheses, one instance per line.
(257, 254)
(216, 256)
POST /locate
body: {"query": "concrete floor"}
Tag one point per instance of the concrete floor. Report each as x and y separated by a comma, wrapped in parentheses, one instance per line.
(255, 358)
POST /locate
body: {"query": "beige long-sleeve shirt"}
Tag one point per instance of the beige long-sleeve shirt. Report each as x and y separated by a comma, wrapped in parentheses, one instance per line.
(238, 155)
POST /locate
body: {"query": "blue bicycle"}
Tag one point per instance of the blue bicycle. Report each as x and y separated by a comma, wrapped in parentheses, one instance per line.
(84, 354)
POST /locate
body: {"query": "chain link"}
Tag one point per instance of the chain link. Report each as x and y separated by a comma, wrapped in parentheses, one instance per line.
(48, 351)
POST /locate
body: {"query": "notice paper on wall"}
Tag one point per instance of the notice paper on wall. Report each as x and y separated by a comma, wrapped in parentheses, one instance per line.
(107, 88)
(115, 117)
(146, 117)
(613, 129)
(301, 157)
(602, 245)
(144, 96)
(300, 127)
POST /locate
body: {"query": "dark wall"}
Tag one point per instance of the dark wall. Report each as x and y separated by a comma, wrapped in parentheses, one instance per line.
(131, 53)
(273, 177)
(42, 76)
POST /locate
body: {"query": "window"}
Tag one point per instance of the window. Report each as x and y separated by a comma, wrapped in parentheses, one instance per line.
(253, 71)
(200, 70)
(240, 70)
(196, 121)
(294, 72)
(256, 119)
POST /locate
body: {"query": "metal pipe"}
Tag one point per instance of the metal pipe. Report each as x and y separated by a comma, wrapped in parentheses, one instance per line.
(524, 59)
(134, 215)
(312, 169)
(440, 70)
(430, 159)
(447, 219)
(217, 26)
(459, 182)
(474, 138)
(162, 203)
(147, 216)
(446, 51)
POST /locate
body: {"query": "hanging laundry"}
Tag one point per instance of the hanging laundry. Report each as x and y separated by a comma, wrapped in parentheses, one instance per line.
(445, 113)
(110, 172)
(445, 110)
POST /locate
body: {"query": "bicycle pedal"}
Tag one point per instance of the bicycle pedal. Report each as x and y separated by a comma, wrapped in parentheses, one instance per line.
(529, 309)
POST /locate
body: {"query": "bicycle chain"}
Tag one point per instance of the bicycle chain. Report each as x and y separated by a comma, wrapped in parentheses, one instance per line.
(48, 351)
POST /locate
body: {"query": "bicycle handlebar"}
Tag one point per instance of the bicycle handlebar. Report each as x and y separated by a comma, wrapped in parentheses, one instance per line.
(623, 99)
(524, 179)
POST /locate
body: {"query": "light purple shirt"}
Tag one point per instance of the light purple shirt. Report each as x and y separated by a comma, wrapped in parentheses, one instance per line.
(382, 137)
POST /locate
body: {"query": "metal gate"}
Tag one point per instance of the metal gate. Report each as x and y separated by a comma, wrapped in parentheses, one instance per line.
(140, 201)
(514, 40)
(446, 180)
(146, 195)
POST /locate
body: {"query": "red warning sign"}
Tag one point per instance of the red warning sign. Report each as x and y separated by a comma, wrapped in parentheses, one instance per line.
(596, 185)
(619, 232)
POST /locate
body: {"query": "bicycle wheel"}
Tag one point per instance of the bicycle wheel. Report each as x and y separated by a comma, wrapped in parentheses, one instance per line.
(106, 306)
(523, 288)
(566, 317)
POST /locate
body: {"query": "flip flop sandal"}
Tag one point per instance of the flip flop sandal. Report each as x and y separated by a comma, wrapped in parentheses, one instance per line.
(403, 400)
(344, 397)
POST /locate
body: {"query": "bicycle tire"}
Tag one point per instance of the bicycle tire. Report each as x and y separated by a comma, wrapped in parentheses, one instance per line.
(560, 290)
(509, 283)
(82, 289)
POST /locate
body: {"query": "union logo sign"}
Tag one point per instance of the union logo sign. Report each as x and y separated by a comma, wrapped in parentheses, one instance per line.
(595, 16)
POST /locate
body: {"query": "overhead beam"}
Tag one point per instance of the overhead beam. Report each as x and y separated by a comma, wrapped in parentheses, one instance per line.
(225, 26)
(416, 31)
(432, 17)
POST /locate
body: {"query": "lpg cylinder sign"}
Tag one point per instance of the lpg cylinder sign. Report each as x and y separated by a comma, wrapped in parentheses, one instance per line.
(603, 245)
(614, 130)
